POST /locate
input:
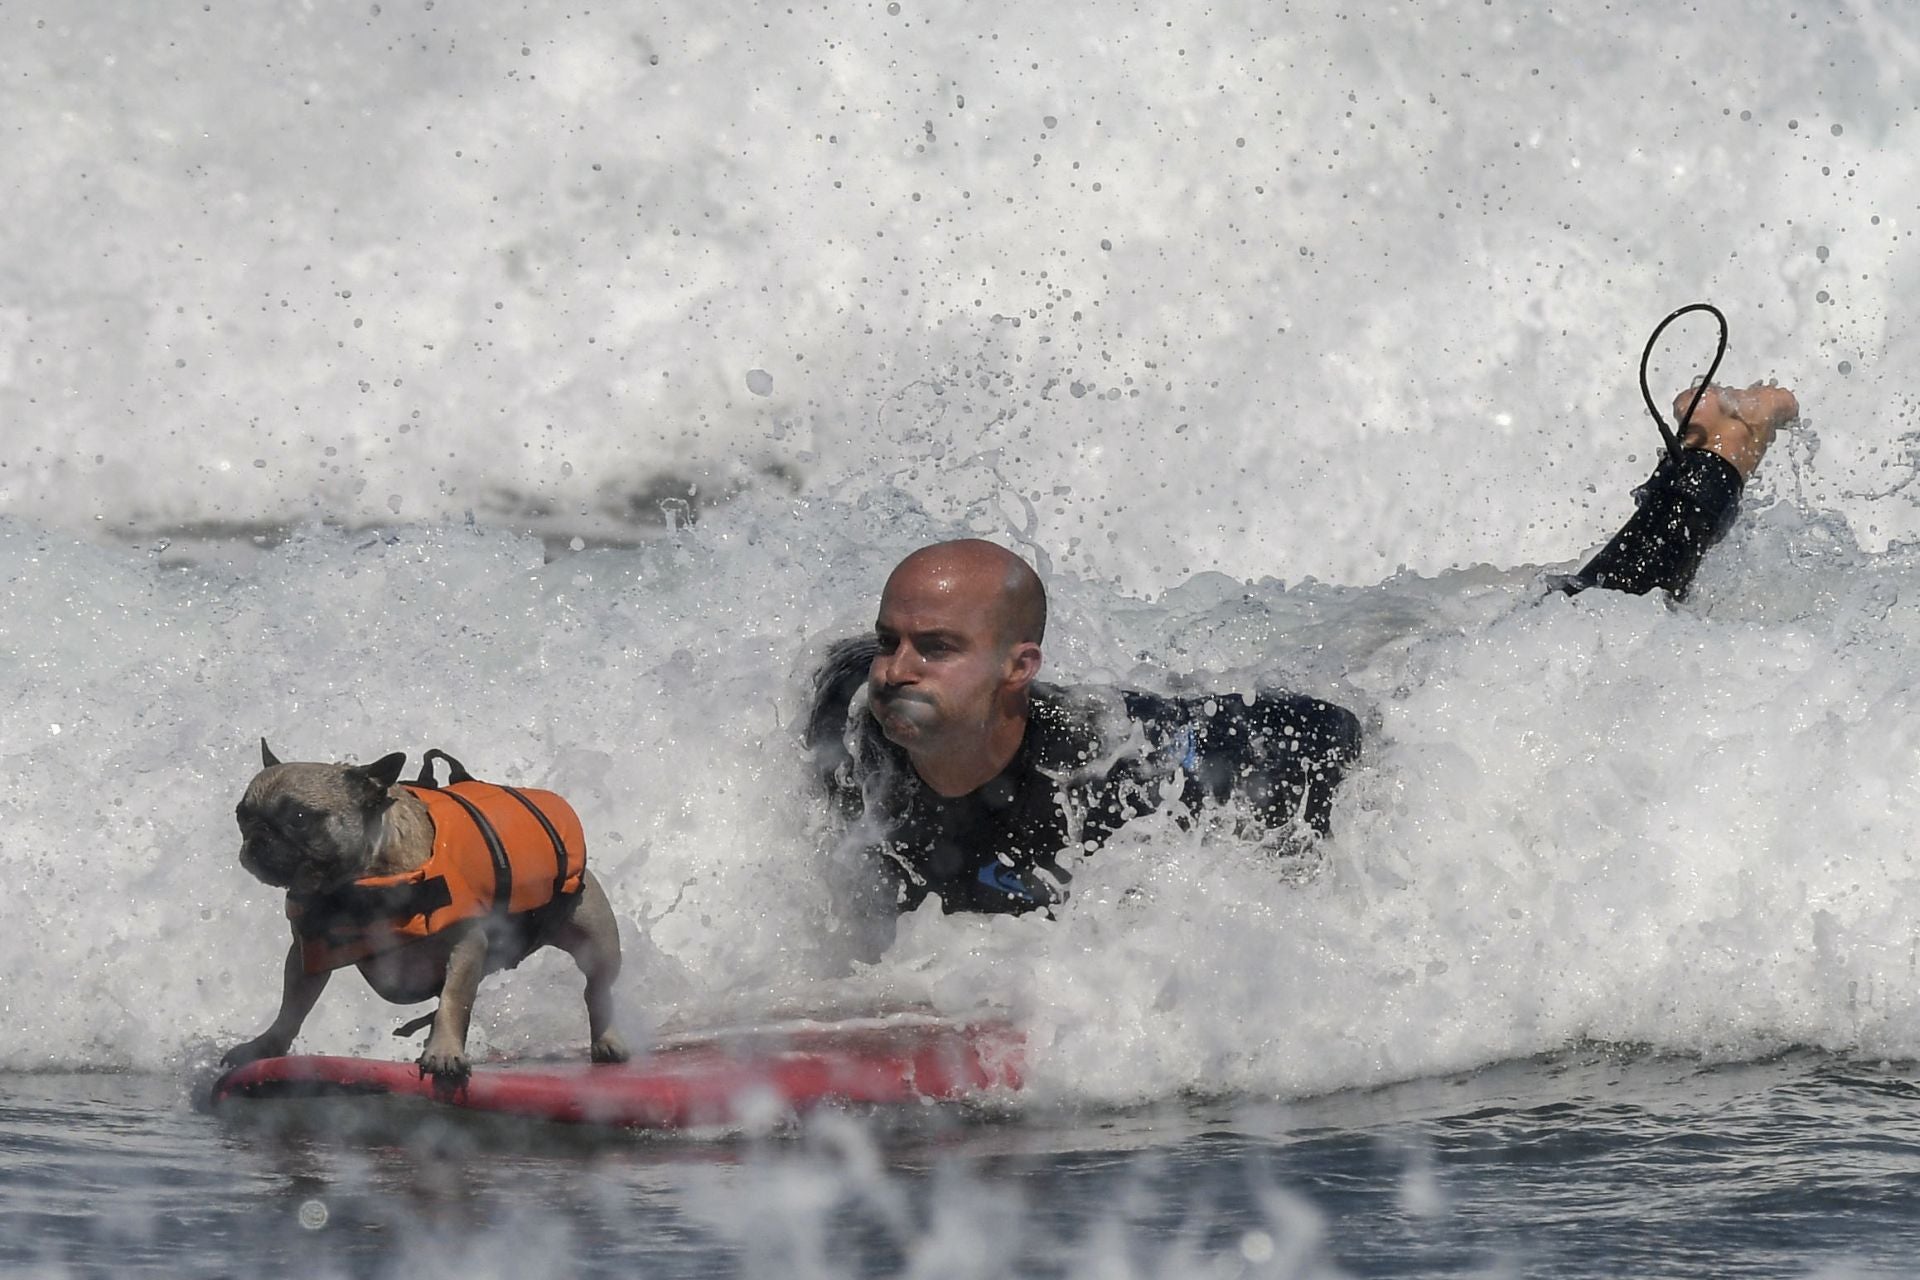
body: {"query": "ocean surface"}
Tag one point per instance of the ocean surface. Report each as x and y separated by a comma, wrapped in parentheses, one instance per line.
(551, 384)
(1589, 1163)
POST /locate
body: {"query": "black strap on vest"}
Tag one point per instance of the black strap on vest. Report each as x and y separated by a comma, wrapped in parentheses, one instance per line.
(502, 865)
(351, 906)
(497, 852)
(559, 845)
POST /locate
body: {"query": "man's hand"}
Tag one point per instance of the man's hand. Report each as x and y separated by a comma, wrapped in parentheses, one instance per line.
(1737, 424)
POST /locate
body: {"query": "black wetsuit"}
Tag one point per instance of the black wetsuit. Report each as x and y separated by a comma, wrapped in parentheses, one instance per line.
(1093, 759)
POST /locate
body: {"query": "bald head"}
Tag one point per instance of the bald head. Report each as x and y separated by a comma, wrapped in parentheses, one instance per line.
(984, 575)
(957, 647)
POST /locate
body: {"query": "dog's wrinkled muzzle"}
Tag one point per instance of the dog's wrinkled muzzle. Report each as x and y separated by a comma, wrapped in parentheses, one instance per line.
(268, 864)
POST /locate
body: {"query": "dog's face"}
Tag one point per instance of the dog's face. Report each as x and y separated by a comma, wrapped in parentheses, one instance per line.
(307, 827)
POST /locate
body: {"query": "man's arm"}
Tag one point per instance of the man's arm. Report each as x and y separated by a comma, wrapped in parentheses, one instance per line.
(869, 886)
(1691, 500)
(1280, 755)
(835, 685)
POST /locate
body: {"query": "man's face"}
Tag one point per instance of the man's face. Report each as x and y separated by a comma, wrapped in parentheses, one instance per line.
(943, 661)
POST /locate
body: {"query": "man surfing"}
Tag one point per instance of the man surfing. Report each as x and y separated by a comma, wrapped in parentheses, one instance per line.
(970, 777)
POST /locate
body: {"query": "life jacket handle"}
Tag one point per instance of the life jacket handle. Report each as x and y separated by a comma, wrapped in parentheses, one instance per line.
(456, 772)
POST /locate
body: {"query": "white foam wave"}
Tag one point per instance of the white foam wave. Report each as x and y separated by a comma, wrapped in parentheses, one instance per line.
(1304, 290)
(1601, 818)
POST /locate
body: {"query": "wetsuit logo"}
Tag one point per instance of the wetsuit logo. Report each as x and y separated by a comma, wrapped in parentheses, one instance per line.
(996, 876)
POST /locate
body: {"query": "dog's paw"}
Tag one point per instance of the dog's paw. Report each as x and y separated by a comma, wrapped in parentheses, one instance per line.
(253, 1050)
(446, 1066)
(609, 1047)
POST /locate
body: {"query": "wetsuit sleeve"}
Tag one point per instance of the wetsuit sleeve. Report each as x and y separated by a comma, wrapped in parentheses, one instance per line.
(868, 885)
(834, 686)
(1686, 507)
(1280, 755)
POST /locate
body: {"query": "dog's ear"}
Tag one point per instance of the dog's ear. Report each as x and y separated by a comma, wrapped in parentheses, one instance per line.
(267, 757)
(385, 771)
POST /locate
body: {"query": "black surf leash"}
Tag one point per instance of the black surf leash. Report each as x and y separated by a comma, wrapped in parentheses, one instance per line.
(1672, 437)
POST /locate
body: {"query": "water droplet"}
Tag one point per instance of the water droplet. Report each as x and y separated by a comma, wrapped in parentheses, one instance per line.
(760, 382)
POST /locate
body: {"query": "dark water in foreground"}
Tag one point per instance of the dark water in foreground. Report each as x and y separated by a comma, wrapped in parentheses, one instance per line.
(1594, 1164)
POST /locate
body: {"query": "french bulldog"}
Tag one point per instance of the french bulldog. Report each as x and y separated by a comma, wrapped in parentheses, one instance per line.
(314, 829)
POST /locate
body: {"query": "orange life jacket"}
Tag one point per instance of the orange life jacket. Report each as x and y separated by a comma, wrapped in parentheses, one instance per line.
(500, 851)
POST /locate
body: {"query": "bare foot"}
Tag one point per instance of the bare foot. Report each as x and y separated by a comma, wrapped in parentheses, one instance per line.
(1737, 423)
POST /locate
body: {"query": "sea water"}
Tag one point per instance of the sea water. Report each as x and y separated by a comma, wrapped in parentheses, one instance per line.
(551, 384)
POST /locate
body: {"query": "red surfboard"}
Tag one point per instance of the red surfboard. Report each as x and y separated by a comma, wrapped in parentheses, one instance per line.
(723, 1080)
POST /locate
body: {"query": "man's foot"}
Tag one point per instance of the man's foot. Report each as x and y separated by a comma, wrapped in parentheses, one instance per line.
(1737, 424)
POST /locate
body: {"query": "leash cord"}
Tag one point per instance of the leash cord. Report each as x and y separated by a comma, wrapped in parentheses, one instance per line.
(1672, 436)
